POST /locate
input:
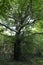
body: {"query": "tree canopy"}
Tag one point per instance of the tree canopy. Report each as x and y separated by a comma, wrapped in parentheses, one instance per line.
(27, 18)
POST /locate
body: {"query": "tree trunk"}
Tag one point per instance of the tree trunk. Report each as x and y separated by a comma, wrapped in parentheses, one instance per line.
(17, 48)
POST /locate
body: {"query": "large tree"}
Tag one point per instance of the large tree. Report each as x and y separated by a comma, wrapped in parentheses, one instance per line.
(20, 14)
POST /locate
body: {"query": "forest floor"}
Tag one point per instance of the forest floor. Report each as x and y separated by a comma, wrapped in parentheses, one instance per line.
(29, 61)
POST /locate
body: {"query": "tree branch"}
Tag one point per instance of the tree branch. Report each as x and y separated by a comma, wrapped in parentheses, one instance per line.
(28, 11)
(7, 27)
(26, 14)
(30, 8)
(37, 33)
(27, 24)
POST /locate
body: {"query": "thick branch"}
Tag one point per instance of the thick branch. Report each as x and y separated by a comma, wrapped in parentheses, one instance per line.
(7, 27)
(34, 20)
(27, 24)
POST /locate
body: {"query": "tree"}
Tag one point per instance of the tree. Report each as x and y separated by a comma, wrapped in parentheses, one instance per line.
(21, 14)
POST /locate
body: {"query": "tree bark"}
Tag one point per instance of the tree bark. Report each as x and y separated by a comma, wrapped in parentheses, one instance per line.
(17, 47)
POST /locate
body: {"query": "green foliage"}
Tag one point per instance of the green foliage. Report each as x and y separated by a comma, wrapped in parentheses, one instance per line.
(6, 39)
(1, 29)
(4, 7)
(16, 10)
(20, 6)
(39, 26)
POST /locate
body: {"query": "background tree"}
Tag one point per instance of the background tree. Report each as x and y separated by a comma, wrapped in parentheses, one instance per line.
(22, 15)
